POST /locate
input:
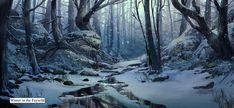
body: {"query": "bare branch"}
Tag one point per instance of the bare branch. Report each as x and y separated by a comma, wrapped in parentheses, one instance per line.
(216, 3)
(36, 6)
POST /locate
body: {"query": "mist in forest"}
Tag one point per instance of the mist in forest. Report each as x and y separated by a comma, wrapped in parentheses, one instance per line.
(116, 53)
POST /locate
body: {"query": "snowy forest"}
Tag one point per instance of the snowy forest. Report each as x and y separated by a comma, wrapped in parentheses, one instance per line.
(117, 53)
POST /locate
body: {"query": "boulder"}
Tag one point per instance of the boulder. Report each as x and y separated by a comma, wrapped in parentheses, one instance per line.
(183, 46)
(68, 83)
(86, 79)
(89, 38)
(204, 51)
(25, 78)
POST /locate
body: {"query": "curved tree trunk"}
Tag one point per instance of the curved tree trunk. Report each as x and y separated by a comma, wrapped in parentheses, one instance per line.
(5, 6)
(60, 42)
(219, 42)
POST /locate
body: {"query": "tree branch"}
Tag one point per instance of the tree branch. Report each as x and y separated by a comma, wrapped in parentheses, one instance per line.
(216, 3)
(36, 6)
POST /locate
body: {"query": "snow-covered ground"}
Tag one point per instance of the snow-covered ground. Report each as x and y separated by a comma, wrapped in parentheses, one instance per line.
(176, 92)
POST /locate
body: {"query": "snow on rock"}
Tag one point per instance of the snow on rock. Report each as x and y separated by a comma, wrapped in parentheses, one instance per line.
(25, 78)
(65, 59)
(204, 51)
(183, 46)
(89, 38)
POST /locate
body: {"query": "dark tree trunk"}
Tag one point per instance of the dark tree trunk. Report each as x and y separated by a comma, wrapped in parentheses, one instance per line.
(183, 25)
(34, 12)
(152, 51)
(60, 14)
(71, 18)
(159, 32)
(111, 29)
(5, 7)
(60, 42)
(46, 20)
(58, 37)
(83, 16)
(208, 13)
(28, 30)
(219, 42)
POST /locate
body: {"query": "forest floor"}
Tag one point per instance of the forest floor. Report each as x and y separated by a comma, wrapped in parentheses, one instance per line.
(126, 85)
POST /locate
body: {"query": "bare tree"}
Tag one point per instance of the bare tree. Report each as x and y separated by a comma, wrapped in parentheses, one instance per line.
(46, 20)
(60, 42)
(5, 7)
(83, 16)
(28, 31)
(151, 45)
(218, 41)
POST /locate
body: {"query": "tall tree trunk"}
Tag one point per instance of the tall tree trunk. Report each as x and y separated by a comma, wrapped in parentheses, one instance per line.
(83, 17)
(60, 14)
(82, 22)
(152, 52)
(158, 32)
(46, 20)
(171, 20)
(71, 18)
(34, 12)
(130, 26)
(60, 42)
(111, 29)
(96, 24)
(208, 13)
(118, 32)
(123, 25)
(28, 30)
(5, 7)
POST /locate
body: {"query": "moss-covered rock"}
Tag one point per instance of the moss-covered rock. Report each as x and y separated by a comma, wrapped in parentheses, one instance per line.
(68, 83)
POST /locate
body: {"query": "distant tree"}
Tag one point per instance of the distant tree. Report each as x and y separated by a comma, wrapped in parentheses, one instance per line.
(171, 19)
(46, 19)
(111, 22)
(5, 7)
(218, 41)
(71, 18)
(96, 24)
